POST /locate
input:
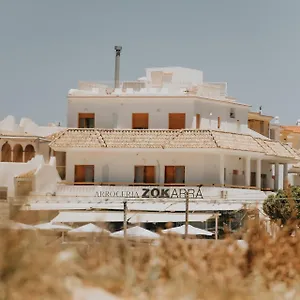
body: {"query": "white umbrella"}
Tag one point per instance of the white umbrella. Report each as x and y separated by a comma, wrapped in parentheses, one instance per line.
(191, 230)
(88, 228)
(53, 227)
(17, 226)
(136, 232)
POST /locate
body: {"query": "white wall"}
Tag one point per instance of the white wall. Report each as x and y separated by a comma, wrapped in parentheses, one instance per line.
(117, 112)
(9, 170)
(118, 166)
(46, 177)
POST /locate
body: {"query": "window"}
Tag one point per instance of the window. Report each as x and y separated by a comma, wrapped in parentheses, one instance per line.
(219, 122)
(262, 127)
(198, 119)
(238, 125)
(232, 113)
(176, 121)
(253, 179)
(140, 121)
(264, 181)
(272, 134)
(84, 173)
(3, 193)
(144, 174)
(174, 174)
(86, 120)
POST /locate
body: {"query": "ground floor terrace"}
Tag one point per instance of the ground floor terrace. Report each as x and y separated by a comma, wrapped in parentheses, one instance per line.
(173, 168)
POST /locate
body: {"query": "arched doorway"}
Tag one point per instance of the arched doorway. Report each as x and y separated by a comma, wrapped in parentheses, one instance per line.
(18, 153)
(6, 153)
(29, 153)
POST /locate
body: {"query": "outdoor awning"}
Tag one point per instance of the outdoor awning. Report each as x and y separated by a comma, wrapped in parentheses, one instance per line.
(71, 203)
(132, 217)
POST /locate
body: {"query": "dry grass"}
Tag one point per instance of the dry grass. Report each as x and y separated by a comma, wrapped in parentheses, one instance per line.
(175, 269)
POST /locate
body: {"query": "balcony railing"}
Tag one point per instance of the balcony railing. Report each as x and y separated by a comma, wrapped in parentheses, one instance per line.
(160, 184)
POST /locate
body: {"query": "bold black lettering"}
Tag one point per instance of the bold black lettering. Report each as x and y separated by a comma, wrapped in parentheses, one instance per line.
(182, 193)
(174, 193)
(164, 193)
(199, 193)
(191, 193)
(145, 193)
(155, 193)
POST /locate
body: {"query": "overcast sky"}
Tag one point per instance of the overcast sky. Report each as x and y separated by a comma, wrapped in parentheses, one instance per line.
(47, 46)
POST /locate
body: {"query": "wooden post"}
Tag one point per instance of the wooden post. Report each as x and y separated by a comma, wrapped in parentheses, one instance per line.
(125, 219)
(186, 215)
(216, 225)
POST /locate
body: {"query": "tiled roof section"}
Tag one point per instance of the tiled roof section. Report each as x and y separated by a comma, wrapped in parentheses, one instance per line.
(266, 147)
(192, 139)
(53, 136)
(235, 141)
(79, 138)
(28, 174)
(295, 129)
(275, 148)
(138, 138)
(168, 139)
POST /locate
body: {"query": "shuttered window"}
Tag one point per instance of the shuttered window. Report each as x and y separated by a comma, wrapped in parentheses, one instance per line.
(84, 173)
(198, 121)
(140, 121)
(174, 174)
(144, 174)
(86, 120)
(3, 193)
(176, 121)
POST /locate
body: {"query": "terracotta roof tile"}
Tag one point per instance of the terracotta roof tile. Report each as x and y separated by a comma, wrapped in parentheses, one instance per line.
(80, 138)
(192, 139)
(186, 138)
(28, 174)
(275, 148)
(295, 128)
(235, 141)
(137, 138)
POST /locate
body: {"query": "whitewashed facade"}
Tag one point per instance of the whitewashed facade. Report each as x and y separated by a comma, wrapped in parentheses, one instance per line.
(212, 147)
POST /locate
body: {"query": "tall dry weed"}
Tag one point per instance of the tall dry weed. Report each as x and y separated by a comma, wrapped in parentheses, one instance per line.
(268, 268)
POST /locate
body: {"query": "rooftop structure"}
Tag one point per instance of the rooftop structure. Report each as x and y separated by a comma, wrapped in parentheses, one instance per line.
(166, 81)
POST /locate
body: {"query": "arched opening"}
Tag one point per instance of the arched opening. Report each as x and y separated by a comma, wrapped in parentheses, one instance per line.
(18, 153)
(29, 153)
(6, 153)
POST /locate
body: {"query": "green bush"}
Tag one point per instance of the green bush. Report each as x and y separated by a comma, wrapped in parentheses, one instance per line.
(281, 205)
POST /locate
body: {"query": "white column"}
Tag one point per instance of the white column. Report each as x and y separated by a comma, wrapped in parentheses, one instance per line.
(276, 182)
(247, 171)
(222, 179)
(285, 176)
(258, 173)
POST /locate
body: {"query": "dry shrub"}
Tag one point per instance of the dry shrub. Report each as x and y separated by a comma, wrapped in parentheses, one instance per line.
(268, 268)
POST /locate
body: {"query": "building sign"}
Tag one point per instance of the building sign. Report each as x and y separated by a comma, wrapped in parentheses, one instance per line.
(151, 192)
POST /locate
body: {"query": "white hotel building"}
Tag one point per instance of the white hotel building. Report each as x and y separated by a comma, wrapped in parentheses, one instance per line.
(168, 130)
